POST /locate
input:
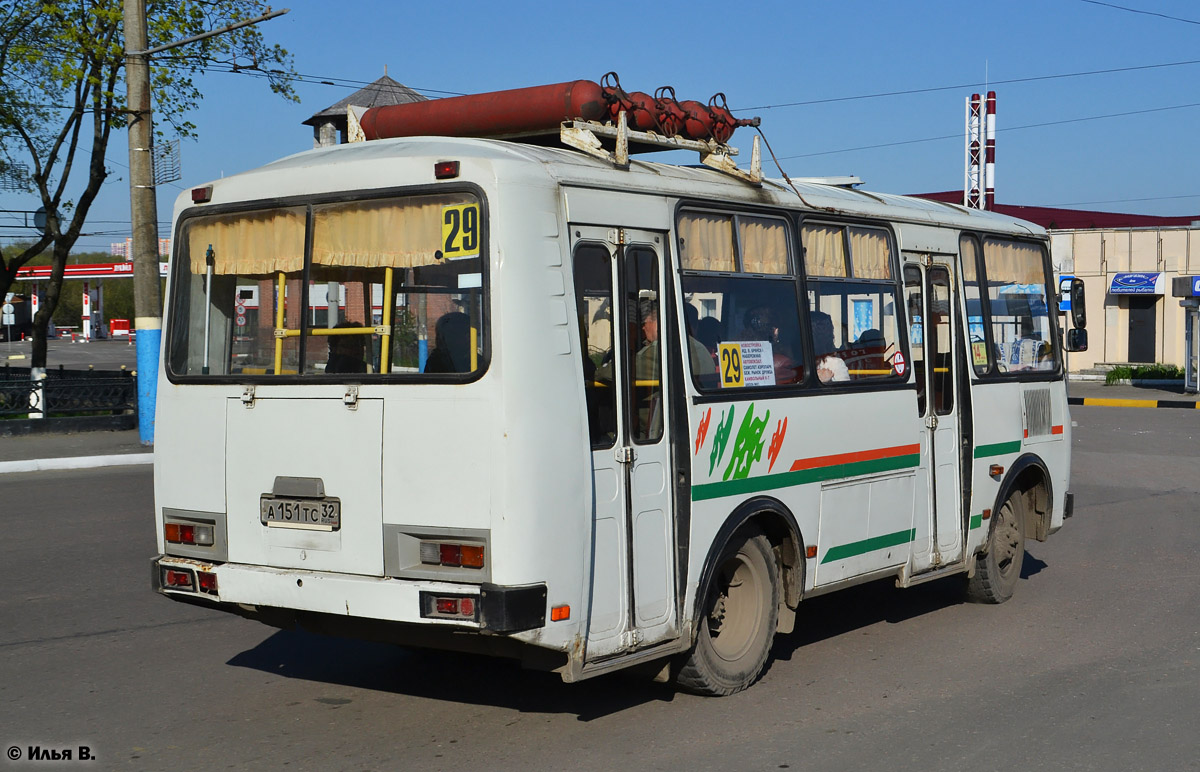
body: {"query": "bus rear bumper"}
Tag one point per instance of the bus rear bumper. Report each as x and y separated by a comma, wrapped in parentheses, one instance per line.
(243, 589)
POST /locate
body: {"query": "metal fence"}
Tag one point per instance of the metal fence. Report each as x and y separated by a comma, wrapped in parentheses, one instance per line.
(66, 393)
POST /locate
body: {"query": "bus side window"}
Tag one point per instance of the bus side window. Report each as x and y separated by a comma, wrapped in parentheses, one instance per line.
(852, 302)
(594, 311)
(916, 331)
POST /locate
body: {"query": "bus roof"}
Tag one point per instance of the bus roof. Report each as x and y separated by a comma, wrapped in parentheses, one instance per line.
(380, 163)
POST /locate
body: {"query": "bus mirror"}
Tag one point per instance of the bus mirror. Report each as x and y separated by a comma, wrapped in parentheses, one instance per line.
(1078, 312)
(1076, 338)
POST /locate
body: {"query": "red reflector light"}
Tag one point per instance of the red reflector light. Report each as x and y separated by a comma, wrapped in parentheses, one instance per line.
(445, 170)
(447, 605)
(466, 607)
(180, 579)
(208, 581)
(202, 195)
(451, 555)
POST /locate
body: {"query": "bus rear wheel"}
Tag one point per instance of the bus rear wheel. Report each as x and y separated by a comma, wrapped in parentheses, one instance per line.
(740, 613)
(998, 569)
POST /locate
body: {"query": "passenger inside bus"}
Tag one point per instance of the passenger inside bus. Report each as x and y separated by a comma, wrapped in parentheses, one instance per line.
(703, 357)
(346, 352)
(708, 332)
(830, 367)
(452, 341)
(761, 325)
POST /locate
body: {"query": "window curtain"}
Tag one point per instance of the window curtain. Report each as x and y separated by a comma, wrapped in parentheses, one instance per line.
(870, 254)
(1012, 262)
(375, 234)
(824, 251)
(970, 260)
(248, 243)
(764, 245)
(706, 242)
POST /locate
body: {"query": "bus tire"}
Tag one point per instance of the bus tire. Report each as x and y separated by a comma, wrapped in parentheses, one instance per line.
(998, 569)
(737, 626)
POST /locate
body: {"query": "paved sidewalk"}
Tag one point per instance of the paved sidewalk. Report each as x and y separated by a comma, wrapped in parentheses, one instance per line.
(72, 451)
(1095, 393)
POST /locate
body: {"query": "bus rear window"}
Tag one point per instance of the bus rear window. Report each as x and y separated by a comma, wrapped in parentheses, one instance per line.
(377, 287)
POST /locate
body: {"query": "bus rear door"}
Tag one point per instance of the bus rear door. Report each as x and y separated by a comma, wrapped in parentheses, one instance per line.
(633, 565)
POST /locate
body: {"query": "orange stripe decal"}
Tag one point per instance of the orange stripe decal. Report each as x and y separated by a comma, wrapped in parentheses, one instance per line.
(849, 458)
(1056, 429)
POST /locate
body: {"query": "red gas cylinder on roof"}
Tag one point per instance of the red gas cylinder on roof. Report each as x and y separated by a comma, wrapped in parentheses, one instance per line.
(494, 114)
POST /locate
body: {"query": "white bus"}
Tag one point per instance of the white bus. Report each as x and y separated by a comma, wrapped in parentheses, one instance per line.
(589, 416)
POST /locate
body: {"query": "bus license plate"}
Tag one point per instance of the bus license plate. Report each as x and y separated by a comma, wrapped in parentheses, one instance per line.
(310, 514)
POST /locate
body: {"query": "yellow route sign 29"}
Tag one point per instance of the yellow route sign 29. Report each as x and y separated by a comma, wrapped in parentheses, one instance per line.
(460, 231)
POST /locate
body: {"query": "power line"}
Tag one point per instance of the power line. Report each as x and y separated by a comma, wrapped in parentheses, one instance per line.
(1139, 10)
(1125, 200)
(933, 89)
(1010, 128)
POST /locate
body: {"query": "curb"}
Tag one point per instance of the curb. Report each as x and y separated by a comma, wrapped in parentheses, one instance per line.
(1105, 402)
(78, 462)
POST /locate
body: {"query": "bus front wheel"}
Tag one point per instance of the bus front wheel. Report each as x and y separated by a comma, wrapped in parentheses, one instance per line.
(998, 569)
(737, 627)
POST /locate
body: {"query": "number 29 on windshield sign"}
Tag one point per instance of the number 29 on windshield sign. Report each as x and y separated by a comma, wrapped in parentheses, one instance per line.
(460, 231)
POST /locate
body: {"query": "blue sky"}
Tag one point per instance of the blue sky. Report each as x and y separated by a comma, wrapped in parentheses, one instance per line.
(767, 55)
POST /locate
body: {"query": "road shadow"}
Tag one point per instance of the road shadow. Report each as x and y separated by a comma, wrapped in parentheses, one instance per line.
(447, 676)
(1031, 566)
(498, 682)
(854, 608)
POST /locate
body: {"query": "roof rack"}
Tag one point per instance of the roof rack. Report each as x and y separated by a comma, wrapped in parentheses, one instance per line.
(585, 136)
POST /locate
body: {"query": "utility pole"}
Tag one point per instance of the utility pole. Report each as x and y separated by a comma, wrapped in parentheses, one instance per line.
(147, 295)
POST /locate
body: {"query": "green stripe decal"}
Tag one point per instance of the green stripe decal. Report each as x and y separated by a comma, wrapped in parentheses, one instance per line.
(787, 479)
(998, 449)
(976, 521)
(853, 549)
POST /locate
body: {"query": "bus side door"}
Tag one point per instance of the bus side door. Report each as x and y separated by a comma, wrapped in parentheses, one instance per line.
(930, 288)
(633, 567)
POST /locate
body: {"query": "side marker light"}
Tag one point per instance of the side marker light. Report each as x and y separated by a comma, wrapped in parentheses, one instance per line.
(560, 613)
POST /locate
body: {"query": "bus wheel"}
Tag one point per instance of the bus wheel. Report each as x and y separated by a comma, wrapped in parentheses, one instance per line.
(997, 570)
(741, 608)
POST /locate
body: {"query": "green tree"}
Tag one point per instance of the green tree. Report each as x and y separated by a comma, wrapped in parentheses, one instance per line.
(60, 66)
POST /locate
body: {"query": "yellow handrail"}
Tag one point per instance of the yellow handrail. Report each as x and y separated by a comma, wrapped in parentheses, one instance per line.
(279, 324)
(385, 347)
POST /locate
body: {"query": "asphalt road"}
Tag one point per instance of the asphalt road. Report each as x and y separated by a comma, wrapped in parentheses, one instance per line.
(1094, 664)
(98, 354)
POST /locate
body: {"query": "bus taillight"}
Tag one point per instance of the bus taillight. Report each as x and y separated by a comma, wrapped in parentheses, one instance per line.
(449, 554)
(180, 533)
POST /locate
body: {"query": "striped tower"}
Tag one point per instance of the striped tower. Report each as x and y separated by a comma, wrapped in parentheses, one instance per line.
(971, 188)
(990, 168)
